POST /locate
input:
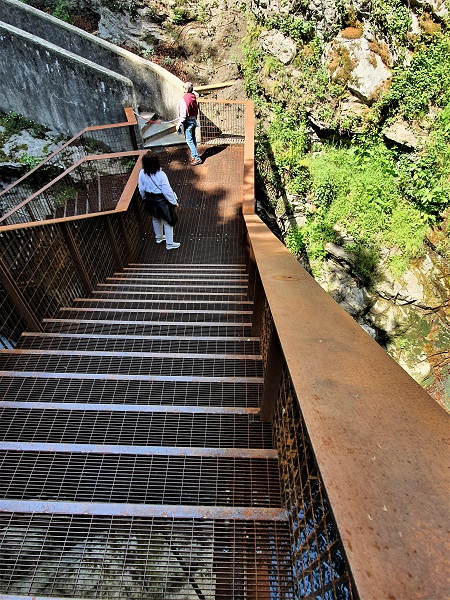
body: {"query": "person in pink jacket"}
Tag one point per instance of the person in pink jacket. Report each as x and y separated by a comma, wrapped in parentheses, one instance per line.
(187, 121)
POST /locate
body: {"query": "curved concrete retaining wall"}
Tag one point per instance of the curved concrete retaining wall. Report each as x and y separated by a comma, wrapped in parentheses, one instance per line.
(57, 88)
(155, 88)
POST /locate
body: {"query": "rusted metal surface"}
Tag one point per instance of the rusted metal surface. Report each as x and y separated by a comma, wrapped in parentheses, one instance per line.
(378, 437)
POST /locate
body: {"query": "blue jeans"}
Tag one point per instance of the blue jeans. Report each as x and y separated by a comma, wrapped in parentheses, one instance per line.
(189, 132)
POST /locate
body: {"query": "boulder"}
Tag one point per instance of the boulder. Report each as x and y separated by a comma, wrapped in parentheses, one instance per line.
(361, 68)
(279, 45)
(402, 134)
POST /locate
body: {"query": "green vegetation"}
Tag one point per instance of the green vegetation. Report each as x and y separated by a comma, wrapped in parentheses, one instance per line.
(63, 10)
(14, 123)
(385, 199)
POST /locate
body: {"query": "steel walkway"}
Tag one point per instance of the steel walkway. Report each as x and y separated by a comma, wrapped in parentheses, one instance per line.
(133, 461)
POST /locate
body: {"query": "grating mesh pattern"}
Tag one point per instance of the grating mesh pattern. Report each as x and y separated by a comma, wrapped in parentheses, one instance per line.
(142, 559)
(104, 391)
(134, 365)
(166, 315)
(205, 481)
(118, 328)
(164, 305)
(134, 428)
(320, 565)
(112, 344)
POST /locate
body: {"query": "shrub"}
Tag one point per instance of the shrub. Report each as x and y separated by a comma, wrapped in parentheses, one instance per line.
(424, 83)
(365, 260)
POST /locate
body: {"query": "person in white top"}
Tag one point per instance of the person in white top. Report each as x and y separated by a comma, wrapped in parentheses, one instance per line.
(157, 192)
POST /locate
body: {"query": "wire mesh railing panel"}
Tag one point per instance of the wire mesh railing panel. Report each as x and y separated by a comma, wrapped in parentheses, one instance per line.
(92, 241)
(144, 558)
(107, 391)
(319, 563)
(161, 480)
(38, 261)
(135, 222)
(13, 324)
(92, 186)
(133, 428)
(94, 141)
(222, 123)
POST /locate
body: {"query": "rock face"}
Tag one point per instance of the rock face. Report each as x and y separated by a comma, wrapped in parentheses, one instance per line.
(363, 68)
(137, 32)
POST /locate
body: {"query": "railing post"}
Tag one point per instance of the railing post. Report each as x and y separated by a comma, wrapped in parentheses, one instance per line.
(132, 119)
(76, 257)
(18, 300)
(113, 242)
(272, 377)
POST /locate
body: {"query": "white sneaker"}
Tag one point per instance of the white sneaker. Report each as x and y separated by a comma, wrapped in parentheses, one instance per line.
(159, 240)
(173, 246)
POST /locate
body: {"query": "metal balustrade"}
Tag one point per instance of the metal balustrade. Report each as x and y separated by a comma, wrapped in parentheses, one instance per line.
(101, 139)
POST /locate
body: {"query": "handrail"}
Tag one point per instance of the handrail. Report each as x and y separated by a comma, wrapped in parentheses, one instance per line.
(130, 122)
(377, 437)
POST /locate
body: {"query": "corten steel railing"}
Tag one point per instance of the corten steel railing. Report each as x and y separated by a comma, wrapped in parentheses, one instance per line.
(222, 122)
(93, 184)
(102, 139)
(360, 444)
(46, 264)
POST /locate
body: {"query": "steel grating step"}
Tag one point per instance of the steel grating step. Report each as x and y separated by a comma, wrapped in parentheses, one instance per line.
(150, 428)
(128, 364)
(184, 286)
(139, 558)
(165, 480)
(134, 464)
(137, 293)
(117, 327)
(152, 304)
(157, 315)
(183, 345)
(33, 388)
(173, 278)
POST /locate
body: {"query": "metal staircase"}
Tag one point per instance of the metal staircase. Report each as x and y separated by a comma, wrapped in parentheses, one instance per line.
(134, 463)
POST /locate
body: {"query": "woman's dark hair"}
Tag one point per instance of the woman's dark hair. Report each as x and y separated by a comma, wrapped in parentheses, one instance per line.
(150, 163)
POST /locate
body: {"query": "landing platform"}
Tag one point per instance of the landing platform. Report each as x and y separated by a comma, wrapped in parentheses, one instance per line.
(211, 227)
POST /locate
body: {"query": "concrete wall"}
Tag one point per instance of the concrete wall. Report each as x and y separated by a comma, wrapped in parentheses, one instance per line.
(155, 88)
(56, 88)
